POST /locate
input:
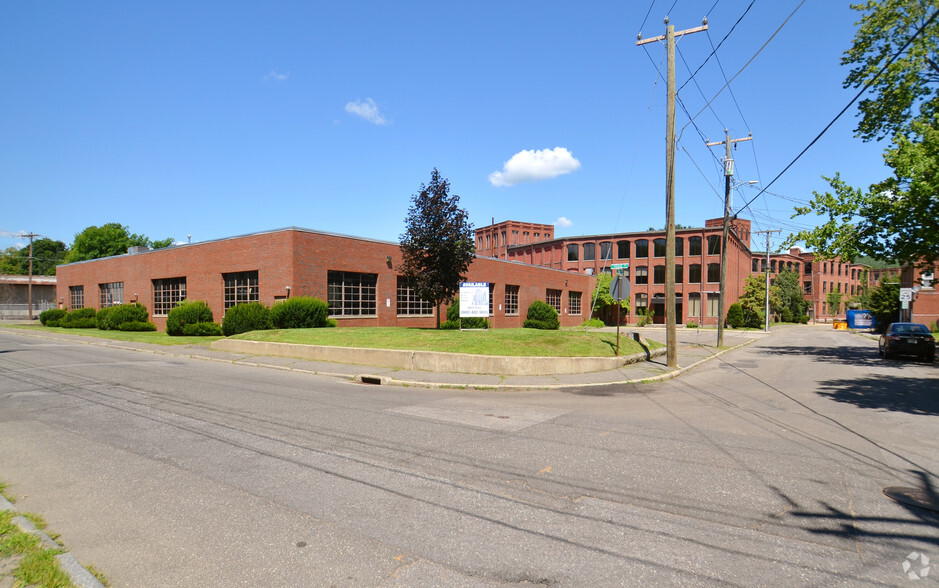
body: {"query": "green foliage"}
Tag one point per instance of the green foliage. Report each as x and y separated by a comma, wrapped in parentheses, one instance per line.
(331, 323)
(885, 302)
(470, 322)
(791, 299)
(804, 319)
(785, 315)
(834, 302)
(541, 315)
(645, 316)
(136, 326)
(593, 323)
(206, 329)
(107, 240)
(241, 318)
(437, 245)
(102, 318)
(51, 317)
(735, 315)
(601, 293)
(754, 319)
(47, 253)
(300, 313)
(80, 318)
(691, 325)
(753, 301)
(449, 325)
(186, 313)
(126, 313)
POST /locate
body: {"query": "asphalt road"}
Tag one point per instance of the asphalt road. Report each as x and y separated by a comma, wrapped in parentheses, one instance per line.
(763, 467)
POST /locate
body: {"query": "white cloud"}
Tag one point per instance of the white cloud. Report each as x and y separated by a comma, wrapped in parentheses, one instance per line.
(534, 166)
(368, 110)
(276, 76)
(563, 221)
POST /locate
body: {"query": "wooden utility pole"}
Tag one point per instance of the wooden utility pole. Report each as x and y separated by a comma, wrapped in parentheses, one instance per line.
(766, 320)
(669, 38)
(29, 287)
(728, 181)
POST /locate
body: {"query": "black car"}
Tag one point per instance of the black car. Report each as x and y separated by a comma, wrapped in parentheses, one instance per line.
(908, 339)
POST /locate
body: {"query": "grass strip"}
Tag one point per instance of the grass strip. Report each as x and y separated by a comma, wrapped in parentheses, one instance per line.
(37, 565)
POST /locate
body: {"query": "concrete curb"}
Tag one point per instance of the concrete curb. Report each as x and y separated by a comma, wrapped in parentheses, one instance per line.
(76, 572)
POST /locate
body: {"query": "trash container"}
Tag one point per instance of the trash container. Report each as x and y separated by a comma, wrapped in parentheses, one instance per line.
(860, 319)
(840, 325)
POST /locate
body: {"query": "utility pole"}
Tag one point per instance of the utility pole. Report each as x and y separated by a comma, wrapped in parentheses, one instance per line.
(29, 287)
(728, 180)
(669, 38)
(766, 320)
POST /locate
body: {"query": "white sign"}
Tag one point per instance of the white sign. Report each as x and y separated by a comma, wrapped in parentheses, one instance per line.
(474, 299)
(906, 294)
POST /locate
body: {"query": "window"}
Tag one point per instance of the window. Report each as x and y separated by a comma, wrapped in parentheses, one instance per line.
(553, 298)
(713, 303)
(762, 266)
(679, 247)
(76, 297)
(408, 301)
(714, 272)
(524, 236)
(351, 294)
(808, 267)
(825, 269)
(658, 274)
(754, 265)
(504, 240)
(824, 287)
(590, 251)
(572, 251)
(658, 247)
(492, 289)
(642, 275)
(606, 250)
(839, 286)
(642, 248)
(642, 301)
(852, 289)
(772, 266)
(514, 237)
(795, 267)
(694, 273)
(694, 304)
(714, 244)
(241, 287)
(839, 268)
(511, 299)
(167, 294)
(573, 302)
(807, 287)
(694, 245)
(679, 273)
(622, 249)
(112, 294)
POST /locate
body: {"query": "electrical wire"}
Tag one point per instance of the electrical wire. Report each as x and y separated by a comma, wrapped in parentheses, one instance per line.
(648, 12)
(714, 49)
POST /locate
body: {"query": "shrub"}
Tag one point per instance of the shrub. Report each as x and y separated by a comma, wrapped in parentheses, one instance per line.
(136, 326)
(126, 313)
(645, 316)
(300, 313)
(470, 322)
(186, 313)
(593, 323)
(102, 318)
(206, 329)
(804, 319)
(331, 323)
(785, 315)
(753, 319)
(81, 318)
(541, 315)
(51, 317)
(735, 315)
(450, 325)
(241, 318)
(691, 325)
(934, 327)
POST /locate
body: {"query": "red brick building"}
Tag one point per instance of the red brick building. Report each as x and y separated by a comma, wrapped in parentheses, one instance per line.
(356, 276)
(697, 262)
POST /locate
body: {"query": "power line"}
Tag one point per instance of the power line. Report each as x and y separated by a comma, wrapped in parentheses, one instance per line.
(714, 49)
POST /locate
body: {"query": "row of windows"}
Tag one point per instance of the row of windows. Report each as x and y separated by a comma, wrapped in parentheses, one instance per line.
(759, 265)
(694, 303)
(640, 274)
(835, 287)
(491, 240)
(641, 248)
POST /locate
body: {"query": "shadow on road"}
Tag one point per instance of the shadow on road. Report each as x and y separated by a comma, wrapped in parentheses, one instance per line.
(887, 392)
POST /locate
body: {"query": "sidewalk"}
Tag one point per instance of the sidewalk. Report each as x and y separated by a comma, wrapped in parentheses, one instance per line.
(694, 347)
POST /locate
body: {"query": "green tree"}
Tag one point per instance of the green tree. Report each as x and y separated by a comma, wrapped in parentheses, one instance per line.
(790, 293)
(834, 302)
(10, 262)
(437, 245)
(47, 253)
(605, 306)
(896, 52)
(884, 302)
(753, 300)
(107, 240)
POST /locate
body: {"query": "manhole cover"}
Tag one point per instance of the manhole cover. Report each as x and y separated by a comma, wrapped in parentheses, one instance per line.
(913, 497)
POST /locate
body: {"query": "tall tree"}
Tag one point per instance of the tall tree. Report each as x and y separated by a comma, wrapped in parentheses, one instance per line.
(790, 292)
(47, 253)
(896, 53)
(107, 240)
(437, 245)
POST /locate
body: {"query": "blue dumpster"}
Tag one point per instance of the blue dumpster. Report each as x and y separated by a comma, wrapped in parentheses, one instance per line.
(860, 319)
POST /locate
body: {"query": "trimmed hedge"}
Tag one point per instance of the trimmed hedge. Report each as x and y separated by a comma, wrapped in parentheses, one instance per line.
(80, 318)
(735, 316)
(542, 315)
(102, 318)
(51, 317)
(241, 318)
(187, 312)
(136, 326)
(207, 329)
(126, 313)
(302, 312)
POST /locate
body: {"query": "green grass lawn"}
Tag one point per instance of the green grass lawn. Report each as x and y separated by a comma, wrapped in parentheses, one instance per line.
(514, 342)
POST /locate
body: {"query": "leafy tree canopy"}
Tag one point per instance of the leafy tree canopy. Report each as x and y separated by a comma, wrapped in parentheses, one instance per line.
(437, 245)
(47, 253)
(107, 240)
(789, 288)
(601, 293)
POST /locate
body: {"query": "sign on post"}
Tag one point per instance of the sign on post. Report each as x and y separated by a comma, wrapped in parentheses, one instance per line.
(619, 268)
(619, 288)
(474, 299)
(906, 294)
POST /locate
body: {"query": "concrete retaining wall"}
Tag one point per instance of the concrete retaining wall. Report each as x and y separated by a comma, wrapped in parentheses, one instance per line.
(431, 361)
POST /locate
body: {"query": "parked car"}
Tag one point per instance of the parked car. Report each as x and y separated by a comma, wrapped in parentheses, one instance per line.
(908, 339)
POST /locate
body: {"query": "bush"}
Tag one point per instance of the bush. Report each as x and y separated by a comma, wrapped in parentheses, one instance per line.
(934, 327)
(735, 315)
(136, 326)
(470, 322)
(126, 313)
(187, 312)
(102, 318)
(645, 316)
(81, 318)
(300, 313)
(331, 323)
(753, 319)
(450, 325)
(691, 325)
(785, 315)
(804, 319)
(241, 318)
(206, 329)
(541, 315)
(593, 323)
(51, 317)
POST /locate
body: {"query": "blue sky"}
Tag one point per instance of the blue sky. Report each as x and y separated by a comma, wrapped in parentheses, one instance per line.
(214, 119)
